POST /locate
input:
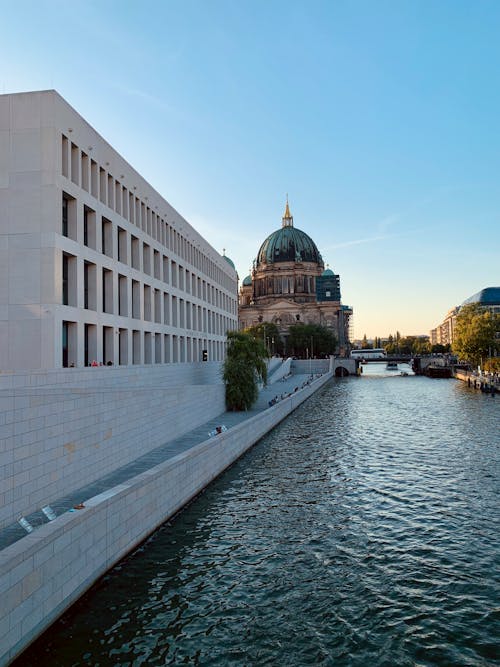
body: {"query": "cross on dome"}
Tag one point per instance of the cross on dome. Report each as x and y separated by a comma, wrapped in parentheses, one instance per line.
(287, 219)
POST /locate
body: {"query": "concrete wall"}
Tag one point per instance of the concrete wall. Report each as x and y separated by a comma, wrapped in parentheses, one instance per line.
(45, 572)
(61, 430)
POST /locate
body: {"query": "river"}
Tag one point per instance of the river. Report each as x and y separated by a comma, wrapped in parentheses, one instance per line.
(363, 531)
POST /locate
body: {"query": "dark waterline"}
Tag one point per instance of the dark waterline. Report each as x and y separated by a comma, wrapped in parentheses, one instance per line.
(364, 530)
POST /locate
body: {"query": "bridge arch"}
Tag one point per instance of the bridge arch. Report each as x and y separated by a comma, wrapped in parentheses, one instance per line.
(341, 372)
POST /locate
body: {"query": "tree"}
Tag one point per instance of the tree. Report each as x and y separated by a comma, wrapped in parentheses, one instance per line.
(475, 332)
(390, 346)
(244, 366)
(365, 345)
(268, 333)
(439, 348)
(313, 338)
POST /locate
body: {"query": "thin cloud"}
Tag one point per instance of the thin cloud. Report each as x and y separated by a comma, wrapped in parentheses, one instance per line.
(369, 239)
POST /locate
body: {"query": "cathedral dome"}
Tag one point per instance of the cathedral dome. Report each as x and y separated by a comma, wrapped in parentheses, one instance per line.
(247, 281)
(288, 244)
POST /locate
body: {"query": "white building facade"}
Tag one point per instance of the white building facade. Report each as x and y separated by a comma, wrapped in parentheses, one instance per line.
(96, 267)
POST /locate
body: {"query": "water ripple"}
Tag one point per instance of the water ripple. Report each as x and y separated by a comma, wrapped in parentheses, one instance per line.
(362, 531)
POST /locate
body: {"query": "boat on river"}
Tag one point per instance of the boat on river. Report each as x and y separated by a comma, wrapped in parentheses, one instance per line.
(391, 366)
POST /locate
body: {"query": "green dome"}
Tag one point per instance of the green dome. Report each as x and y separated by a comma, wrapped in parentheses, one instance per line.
(247, 281)
(229, 261)
(328, 272)
(288, 244)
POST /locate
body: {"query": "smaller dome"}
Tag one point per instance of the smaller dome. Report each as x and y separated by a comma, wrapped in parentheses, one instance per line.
(328, 272)
(247, 281)
(228, 259)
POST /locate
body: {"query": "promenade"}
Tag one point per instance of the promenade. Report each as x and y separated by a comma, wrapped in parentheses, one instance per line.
(168, 450)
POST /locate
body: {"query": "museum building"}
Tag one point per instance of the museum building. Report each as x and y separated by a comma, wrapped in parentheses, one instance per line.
(289, 284)
(96, 267)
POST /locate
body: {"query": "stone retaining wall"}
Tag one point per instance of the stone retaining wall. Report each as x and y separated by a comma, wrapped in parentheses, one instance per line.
(42, 574)
(61, 430)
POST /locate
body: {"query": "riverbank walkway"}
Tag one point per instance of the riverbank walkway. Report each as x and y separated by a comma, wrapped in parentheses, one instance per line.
(168, 450)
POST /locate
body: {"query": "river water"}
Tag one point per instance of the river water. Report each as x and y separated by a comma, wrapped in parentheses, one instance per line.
(363, 531)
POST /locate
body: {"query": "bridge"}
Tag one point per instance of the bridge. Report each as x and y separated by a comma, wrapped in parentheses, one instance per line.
(398, 358)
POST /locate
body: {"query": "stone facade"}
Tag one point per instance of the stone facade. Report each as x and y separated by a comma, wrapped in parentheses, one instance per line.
(95, 265)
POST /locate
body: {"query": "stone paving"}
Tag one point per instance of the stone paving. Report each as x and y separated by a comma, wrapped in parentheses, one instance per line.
(168, 450)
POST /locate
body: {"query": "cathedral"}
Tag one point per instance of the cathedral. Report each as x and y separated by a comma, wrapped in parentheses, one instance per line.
(289, 285)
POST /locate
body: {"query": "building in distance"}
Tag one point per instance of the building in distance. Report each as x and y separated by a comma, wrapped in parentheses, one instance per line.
(289, 284)
(488, 298)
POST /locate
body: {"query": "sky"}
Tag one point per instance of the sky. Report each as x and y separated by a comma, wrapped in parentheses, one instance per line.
(380, 120)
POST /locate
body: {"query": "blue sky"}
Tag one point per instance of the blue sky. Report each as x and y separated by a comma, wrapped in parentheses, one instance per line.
(381, 120)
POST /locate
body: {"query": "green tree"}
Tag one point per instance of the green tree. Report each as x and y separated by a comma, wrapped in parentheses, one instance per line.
(364, 344)
(310, 339)
(475, 333)
(439, 348)
(268, 333)
(390, 346)
(244, 366)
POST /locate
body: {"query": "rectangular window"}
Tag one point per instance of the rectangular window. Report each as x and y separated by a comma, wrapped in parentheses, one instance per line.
(93, 178)
(65, 295)
(157, 304)
(90, 286)
(122, 296)
(111, 192)
(69, 344)
(146, 259)
(89, 227)
(136, 347)
(85, 171)
(90, 344)
(107, 237)
(136, 299)
(122, 245)
(68, 216)
(107, 291)
(123, 347)
(136, 260)
(147, 303)
(165, 270)
(108, 346)
(69, 278)
(102, 185)
(75, 164)
(147, 347)
(158, 348)
(64, 156)
(166, 308)
(157, 265)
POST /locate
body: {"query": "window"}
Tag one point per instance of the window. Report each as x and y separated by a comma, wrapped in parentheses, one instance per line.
(89, 286)
(69, 291)
(69, 344)
(136, 260)
(122, 245)
(107, 291)
(68, 214)
(107, 237)
(65, 149)
(89, 227)
(146, 259)
(122, 296)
